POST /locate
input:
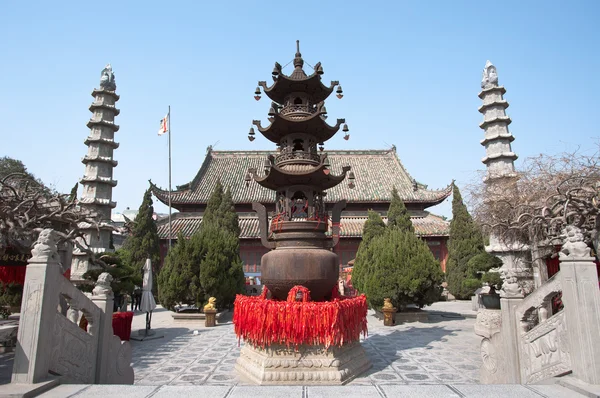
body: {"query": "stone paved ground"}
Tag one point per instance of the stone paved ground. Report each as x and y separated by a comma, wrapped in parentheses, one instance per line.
(441, 351)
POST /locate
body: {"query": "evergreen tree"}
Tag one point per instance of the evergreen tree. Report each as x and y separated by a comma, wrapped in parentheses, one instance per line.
(179, 279)
(213, 207)
(143, 242)
(403, 269)
(221, 272)
(466, 242)
(125, 276)
(208, 264)
(374, 226)
(228, 215)
(73, 193)
(398, 216)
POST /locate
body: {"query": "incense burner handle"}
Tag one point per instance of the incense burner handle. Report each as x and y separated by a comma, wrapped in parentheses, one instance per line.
(335, 223)
(263, 223)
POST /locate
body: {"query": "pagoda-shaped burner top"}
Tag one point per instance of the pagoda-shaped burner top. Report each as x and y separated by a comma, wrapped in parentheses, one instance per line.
(300, 174)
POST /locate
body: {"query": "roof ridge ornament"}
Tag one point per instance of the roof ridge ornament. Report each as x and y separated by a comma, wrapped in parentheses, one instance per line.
(490, 76)
(298, 61)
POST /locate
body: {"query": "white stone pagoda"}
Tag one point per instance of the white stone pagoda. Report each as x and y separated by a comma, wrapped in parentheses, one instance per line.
(98, 180)
(499, 158)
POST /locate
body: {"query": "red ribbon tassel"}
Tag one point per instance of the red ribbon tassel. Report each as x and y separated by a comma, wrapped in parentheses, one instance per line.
(262, 322)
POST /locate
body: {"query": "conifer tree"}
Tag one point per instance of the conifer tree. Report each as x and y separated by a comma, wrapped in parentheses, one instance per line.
(143, 242)
(179, 280)
(398, 216)
(466, 242)
(73, 193)
(221, 271)
(228, 215)
(125, 277)
(374, 226)
(403, 269)
(213, 207)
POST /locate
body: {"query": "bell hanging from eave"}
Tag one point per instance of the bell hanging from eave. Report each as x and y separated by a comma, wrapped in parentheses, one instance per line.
(267, 166)
(248, 178)
(271, 111)
(251, 134)
(339, 92)
(351, 179)
(257, 93)
(345, 129)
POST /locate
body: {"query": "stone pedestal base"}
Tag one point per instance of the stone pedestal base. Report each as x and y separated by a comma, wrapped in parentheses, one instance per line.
(210, 318)
(307, 365)
(389, 316)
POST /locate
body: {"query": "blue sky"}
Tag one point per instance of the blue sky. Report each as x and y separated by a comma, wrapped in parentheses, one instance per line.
(410, 72)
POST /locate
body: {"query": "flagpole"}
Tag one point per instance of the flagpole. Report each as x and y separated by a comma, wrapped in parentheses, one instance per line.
(169, 127)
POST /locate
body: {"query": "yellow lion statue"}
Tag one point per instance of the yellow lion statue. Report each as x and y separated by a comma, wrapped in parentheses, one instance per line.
(211, 304)
(387, 303)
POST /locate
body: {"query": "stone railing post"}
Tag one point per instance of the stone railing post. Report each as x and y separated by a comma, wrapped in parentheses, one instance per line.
(103, 297)
(502, 348)
(510, 336)
(38, 312)
(581, 299)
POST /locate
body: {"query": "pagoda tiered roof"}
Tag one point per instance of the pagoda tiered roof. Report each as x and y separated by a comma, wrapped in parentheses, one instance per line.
(319, 176)
(312, 85)
(426, 225)
(377, 172)
(297, 81)
(282, 125)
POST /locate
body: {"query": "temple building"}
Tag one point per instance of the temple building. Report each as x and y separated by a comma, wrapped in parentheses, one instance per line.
(313, 177)
(376, 173)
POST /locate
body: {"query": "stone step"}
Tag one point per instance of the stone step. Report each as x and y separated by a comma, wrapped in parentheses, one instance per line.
(347, 391)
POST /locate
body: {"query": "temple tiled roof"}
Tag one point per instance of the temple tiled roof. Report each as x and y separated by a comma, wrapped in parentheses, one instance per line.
(376, 172)
(426, 224)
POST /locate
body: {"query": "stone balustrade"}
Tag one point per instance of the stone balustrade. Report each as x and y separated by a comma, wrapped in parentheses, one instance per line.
(49, 342)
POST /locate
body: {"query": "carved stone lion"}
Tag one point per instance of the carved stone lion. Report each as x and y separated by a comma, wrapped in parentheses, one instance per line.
(211, 304)
(103, 287)
(387, 304)
(45, 248)
(510, 285)
(574, 246)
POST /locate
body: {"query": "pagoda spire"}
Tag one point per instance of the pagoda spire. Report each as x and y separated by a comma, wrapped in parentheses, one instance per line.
(499, 159)
(97, 180)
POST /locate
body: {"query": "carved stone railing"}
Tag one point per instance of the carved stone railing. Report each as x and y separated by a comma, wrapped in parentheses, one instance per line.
(74, 352)
(543, 345)
(545, 351)
(49, 342)
(529, 345)
(540, 301)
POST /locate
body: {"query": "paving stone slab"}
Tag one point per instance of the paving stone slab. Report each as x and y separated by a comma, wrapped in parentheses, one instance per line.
(354, 391)
(420, 391)
(121, 391)
(65, 390)
(267, 391)
(496, 391)
(555, 391)
(192, 391)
